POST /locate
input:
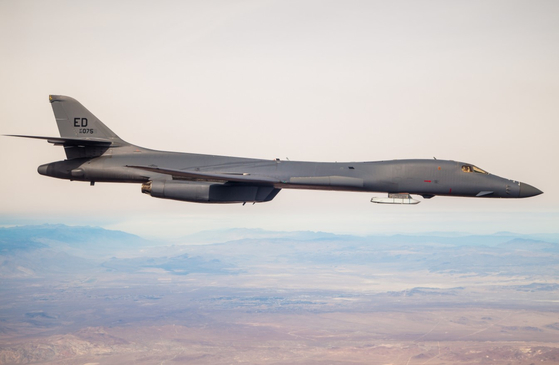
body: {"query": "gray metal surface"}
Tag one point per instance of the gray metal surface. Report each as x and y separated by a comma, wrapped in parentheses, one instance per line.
(96, 154)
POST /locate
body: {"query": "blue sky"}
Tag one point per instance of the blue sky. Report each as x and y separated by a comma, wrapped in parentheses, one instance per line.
(473, 81)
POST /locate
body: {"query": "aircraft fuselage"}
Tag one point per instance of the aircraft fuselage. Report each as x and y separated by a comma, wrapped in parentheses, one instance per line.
(96, 154)
(422, 177)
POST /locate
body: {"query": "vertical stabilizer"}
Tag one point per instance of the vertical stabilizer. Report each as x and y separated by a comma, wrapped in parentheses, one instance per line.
(75, 121)
(79, 124)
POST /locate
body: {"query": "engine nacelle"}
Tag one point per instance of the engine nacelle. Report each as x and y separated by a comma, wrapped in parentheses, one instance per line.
(201, 192)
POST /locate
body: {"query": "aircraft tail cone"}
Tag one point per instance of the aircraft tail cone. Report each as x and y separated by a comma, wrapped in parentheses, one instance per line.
(43, 169)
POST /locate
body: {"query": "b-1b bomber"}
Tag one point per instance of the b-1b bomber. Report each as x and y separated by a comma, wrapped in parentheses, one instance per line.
(94, 153)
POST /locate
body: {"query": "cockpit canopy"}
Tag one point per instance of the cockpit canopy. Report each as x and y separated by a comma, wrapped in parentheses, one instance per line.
(472, 168)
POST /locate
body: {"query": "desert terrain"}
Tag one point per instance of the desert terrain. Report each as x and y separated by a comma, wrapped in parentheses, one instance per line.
(276, 298)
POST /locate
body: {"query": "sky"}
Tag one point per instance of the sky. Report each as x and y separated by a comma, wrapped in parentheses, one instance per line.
(473, 81)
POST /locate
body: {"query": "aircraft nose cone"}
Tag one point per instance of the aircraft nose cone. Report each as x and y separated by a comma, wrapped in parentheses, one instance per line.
(527, 191)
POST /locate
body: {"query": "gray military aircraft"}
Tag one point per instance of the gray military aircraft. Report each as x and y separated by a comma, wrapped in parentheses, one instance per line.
(96, 154)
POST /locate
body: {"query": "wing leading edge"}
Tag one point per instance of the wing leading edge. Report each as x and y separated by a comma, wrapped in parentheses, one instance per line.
(212, 177)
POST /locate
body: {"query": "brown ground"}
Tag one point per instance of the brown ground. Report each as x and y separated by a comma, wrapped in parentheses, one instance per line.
(186, 321)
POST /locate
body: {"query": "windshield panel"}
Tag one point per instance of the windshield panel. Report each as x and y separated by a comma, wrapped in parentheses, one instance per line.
(478, 170)
(471, 168)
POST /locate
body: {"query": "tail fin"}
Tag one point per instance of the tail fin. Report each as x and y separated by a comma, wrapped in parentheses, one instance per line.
(75, 121)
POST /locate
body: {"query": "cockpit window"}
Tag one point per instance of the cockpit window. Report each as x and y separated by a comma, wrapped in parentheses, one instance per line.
(471, 168)
(478, 170)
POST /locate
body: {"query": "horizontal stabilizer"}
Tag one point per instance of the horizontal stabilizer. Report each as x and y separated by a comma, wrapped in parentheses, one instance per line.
(62, 141)
(206, 176)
